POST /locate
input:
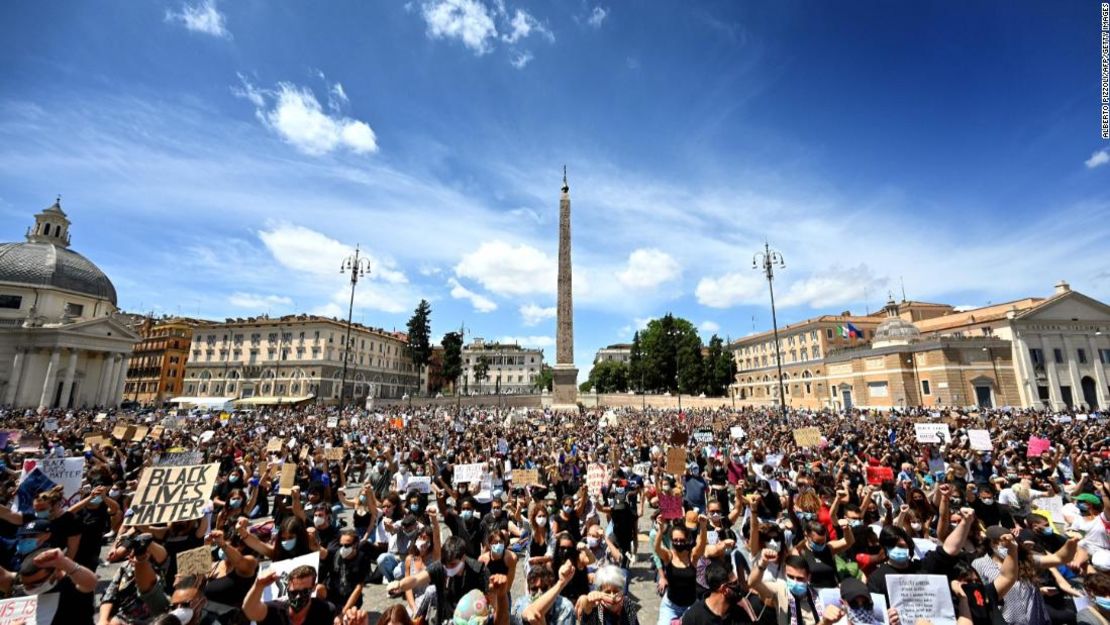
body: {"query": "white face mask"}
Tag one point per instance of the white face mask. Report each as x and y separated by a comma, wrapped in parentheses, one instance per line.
(185, 615)
(421, 545)
(541, 521)
(916, 526)
(455, 570)
(345, 551)
(44, 587)
(1002, 552)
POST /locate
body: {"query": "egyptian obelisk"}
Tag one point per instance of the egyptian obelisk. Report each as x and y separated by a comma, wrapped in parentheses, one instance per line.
(565, 373)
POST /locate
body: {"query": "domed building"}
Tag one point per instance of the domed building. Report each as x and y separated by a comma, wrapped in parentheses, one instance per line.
(62, 343)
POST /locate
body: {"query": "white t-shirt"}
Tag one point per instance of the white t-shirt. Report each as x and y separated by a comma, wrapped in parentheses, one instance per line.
(1094, 538)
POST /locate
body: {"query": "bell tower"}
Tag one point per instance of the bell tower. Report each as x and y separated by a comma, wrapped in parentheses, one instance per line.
(51, 226)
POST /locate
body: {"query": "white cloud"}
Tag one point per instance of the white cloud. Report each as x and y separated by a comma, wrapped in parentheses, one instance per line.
(481, 303)
(529, 341)
(1100, 157)
(835, 286)
(306, 250)
(469, 21)
(730, 290)
(506, 269)
(520, 59)
(522, 25)
(532, 314)
(202, 17)
(296, 115)
(648, 268)
(709, 327)
(638, 324)
(597, 16)
(258, 302)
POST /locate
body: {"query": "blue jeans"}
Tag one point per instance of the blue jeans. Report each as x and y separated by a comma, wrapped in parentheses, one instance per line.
(669, 611)
(390, 566)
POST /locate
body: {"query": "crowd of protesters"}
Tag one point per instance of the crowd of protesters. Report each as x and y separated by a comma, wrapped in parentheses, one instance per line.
(768, 527)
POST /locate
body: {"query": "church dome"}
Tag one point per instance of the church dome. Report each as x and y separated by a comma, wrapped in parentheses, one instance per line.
(896, 329)
(45, 260)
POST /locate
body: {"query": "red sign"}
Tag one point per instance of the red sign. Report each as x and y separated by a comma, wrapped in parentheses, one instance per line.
(877, 475)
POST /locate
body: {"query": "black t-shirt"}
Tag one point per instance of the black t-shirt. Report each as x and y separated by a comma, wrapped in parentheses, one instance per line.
(74, 606)
(936, 562)
(700, 614)
(320, 612)
(93, 523)
(62, 528)
(340, 575)
(449, 590)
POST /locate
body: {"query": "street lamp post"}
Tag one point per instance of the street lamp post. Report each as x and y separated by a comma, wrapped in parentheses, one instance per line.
(358, 268)
(767, 261)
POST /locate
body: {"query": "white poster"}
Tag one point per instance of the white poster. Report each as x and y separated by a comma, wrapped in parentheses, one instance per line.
(19, 610)
(980, 440)
(736, 432)
(280, 589)
(65, 471)
(921, 597)
(932, 432)
(469, 473)
(333, 422)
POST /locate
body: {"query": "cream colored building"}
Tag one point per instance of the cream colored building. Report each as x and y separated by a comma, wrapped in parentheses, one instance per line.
(621, 352)
(296, 358)
(512, 369)
(62, 341)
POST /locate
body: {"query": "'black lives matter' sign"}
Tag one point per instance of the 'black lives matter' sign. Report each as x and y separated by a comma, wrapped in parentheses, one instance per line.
(168, 494)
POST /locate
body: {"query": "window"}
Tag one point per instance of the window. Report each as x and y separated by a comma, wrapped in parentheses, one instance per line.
(1058, 354)
(74, 310)
(925, 387)
(1082, 355)
(13, 302)
(828, 333)
(1104, 356)
(877, 389)
(1036, 355)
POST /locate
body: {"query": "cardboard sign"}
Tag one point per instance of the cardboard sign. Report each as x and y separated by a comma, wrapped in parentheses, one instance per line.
(676, 460)
(139, 433)
(937, 433)
(180, 459)
(921, 597)
(679, 437)
(97, 439)
(196, 561)
(280, 589)
(980, 440)
(274, 445)
(736, 432)
(29, 443)
(807, 437)
(168, 494)
(50, 425)
(526, 477)
(596, 477)
(120, 432)
(469, 473)
(288, 478)
(670, 507)
(333, 453)
(641, 468)
(1037, 446)
(19, 611)
(156, 432)
(877, 475)
(1052, 505)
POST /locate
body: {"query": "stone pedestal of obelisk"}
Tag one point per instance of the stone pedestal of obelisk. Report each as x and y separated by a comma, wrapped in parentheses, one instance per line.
(565, 374)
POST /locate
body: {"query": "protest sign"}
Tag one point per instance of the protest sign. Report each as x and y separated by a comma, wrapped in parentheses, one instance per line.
(1063, 418)
(19, 611)
(288, 478)
(156, 431)
(921, 597)
(596, 476)
(807, 437)
(877, 614)
(676, 460)
(333, 453)
(50, 425)
(64, 471)
(679, 437)
(1052, 505)
(280, 589)
(932, 432)
(180, 459)
(196, 561)
(878, 475)
(703, 435)
(923, 546)
(168, 494)
(1037, 446)
(29, 443)
(100, 417)
(274, 445)
(139, 433)
(980, 440)
(469, 473)
(419, 483)
(670, 506)
(526, 477)
(332, 422)
(736, 432)
(641, 468)
(120, 432)
(97, 439)
(773, 460)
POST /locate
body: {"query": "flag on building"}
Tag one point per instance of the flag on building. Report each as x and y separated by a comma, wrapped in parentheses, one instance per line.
(850, 331)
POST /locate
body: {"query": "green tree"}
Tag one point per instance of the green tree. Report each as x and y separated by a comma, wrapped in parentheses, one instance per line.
(585, 387)
(481, 371)
(419, 330)
(720, 368)
(691, 369)
(609, 376)
(671, 346)
(452, 358)
(545, 379)
(636, 363)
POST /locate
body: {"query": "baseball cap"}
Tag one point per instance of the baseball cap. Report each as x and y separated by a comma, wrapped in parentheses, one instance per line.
(1089, 498)
(996, 532)
(38, 526)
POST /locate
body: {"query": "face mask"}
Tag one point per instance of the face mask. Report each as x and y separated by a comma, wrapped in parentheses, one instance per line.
(96, 501)
(26, 545)
(773, 545)
(289, 544)
(1002, 552)
(899, 555)
(497, 512)
(235, 503)
(568, 509)
(42, 514)
(414, 507)
(299, 599)
(319, 521)
(541, 521)
(45, 586)
(1103, 603)
(467, 514)
(421, 545)
(816, 547)
(114, 493)
(855, 522)
(1047, 531)
(183, 614)
(221, 554)
(681, 545)
(455, 570)
(346, 551)
(234, 479)
(497, 550)
(593, 542)
(797, 588)
(987, 501)
(1083, 508)
(915, 526)
(362, 498)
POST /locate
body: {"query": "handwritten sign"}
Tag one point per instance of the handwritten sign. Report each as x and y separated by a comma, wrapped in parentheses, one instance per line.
(526, 477)
(195, 561)
(878, 475)
(676, 460)
(180, 459)
(333, 453)
(469, 473)
(168, 494)
(980, 440)
(1037, 446)
(937, 433)
(19, 610)
(807, 437)
(120, 432)
(156, 432)
(921, 597)
(703, 435)
(596, 476)
(332, 422)
(139, 433)
(97, 439)
(288, 478)
(1052, 505)
(419, 483)
(274, 445)
(670, 506)
(65, 471)
(736, 432)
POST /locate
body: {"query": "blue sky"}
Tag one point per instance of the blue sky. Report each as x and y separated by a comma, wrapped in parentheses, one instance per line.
(220, 158)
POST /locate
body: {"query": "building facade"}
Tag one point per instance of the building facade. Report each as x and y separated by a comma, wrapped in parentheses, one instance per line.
(510, 368)
(621, 352)
(62, 342)
(296, 358)
(157, 368)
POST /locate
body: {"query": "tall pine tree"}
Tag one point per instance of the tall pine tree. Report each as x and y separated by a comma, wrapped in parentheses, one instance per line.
(419, 330)
(452, 358)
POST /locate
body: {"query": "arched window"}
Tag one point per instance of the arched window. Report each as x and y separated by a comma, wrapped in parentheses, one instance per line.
(46, 229)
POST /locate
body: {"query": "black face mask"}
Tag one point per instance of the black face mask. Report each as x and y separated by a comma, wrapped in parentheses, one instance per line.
(681, 545)
(562, 554)
(298, 599)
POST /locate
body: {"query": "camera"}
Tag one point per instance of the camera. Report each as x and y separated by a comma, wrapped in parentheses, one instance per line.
(137, 544)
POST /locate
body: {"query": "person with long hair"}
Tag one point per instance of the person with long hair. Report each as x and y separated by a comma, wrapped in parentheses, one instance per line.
(235, 571)
(424, 551)
(1023, 604)
(679, 563)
